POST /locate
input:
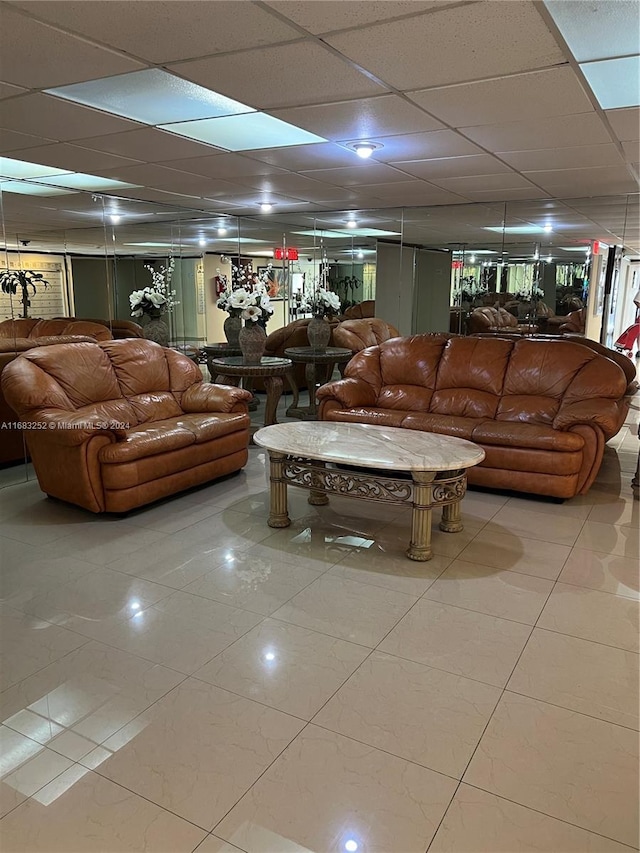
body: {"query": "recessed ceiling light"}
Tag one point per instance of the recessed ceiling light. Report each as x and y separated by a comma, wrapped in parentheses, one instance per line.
(549, 258)
(364, 149)
(222, 232)
(548, 228)
(265, 207)
(472, 259)
(351, 223)
(202, 242)
(360, 254)
(115, 218)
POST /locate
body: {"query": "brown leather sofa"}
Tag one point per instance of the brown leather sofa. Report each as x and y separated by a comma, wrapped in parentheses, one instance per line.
(541, 410)
(361, 311)
(496, 320)
(124, 422)
(20, 335)
(574, 323)
(356, 335)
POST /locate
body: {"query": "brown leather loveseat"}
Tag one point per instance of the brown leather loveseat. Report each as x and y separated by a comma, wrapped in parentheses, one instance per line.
(120, 424)
(541, 410)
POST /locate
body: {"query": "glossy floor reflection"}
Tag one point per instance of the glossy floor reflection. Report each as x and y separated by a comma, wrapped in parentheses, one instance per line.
(188, 679)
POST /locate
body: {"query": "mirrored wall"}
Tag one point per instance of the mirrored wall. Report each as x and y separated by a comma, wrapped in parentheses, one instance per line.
(447, 268)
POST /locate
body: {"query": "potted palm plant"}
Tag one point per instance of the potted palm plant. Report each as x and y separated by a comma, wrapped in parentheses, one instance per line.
(11, 280)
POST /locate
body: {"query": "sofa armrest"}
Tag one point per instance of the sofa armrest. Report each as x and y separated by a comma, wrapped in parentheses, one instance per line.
(349, 392)
(602, 413)
(69, 429)
(206, 397)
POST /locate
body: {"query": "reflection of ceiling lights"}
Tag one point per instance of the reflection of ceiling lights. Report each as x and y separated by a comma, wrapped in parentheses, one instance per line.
(515, 229)
(364, 149)
(265, 207)
(202, 242)
(222, 232)
(115, 218)
(360, 255)
(351, 223)
(548, 228)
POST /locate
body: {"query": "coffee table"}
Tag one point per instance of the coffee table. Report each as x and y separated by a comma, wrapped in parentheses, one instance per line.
(302, 455)
(312, 359)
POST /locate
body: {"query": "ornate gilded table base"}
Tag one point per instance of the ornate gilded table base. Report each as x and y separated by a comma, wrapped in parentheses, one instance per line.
(425, 491)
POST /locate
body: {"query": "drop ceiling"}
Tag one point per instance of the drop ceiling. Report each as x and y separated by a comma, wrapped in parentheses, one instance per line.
(479, 101)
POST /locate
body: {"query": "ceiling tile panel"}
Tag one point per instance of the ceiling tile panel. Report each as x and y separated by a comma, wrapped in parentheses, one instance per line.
(453, 45)
(147, 144)
(505, 195)
(359, 175)
(37, 56)
(365, 118)
(418, 192)
(423, 146)
(168, 31)
(171, 180)
(77, 159)
(7, 90)
(625, 123)
(563, 158)
(63, 121)
(12, 141)
(227, 165)
(453, 167)
(601, 180)
(299, 186)
(479, 183)
(289, 75)
(522, 97)
(324, 155)
(545, 133)
(632, 150)
(321, 16)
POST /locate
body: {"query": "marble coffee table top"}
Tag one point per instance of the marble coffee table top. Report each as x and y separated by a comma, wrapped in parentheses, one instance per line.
(370, 446)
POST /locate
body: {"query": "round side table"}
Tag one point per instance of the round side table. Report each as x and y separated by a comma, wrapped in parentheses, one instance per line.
(312, 358)
(230, 370)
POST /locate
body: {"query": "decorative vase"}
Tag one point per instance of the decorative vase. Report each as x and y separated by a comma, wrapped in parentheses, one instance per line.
(232, 326)
(319, 333)
(252, 339)
(155, 328)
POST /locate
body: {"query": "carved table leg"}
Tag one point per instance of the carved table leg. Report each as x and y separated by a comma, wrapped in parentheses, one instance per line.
(295, 393)
(420, 545)
(317, 498)
(273, 384)
(451, 518)
(278, 513)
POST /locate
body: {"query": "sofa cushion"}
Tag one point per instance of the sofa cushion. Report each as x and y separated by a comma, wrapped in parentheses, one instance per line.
(537, 436)
(170, 434)
(82, 370)
(458, 427)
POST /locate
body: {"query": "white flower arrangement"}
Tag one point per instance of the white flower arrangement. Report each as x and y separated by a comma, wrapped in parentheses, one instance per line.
(249, 297)
(322, 303)
(158, 298)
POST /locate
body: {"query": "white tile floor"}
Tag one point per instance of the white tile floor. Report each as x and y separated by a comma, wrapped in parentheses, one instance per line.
(187, 678)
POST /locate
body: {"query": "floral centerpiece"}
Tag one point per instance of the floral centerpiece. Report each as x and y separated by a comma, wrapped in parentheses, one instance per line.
(247, 300)
(11, 280)
(321, 303)
(152, 302)
(157, 299)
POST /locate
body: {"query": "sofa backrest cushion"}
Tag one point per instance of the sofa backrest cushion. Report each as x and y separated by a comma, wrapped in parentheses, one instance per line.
(470, 377)
(357, 335)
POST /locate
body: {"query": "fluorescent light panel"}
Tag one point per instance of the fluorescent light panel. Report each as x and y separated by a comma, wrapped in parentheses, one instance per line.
(615, 82)
(244, 132)
(350, 232)
(10, 168)
(516, 229)
(160, 99)
(151, 97)
(598, 29)
(78, 181)
(25, 188)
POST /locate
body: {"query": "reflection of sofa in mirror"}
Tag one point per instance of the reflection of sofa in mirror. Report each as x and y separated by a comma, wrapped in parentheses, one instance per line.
(20, 335)
(489, 319)
(120, 328)
(125, 422)
(292, 335)
(574, 323)
(361, 310)
(356, 335)
(541, 410)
